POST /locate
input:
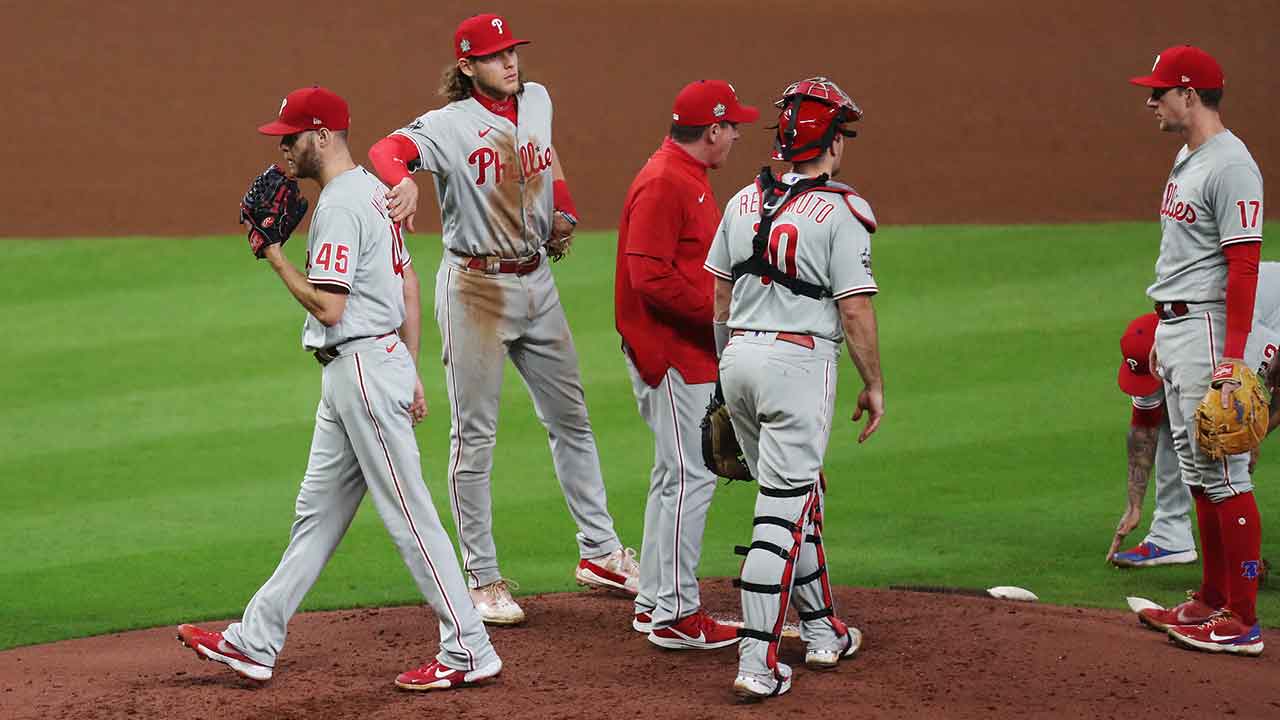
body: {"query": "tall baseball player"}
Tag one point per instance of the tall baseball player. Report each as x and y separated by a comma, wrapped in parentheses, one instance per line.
(504, 206)
(1150, 443)
(1206, 276)
(360, 292)
(663, 304)
(792, 260)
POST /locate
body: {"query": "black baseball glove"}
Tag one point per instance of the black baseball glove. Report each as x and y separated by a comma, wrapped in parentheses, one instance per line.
(720, 449)
(272, 208)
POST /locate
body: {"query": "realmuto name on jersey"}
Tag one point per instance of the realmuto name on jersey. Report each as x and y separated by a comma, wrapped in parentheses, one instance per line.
(810, 204)
(489, 166)
(1173, 208)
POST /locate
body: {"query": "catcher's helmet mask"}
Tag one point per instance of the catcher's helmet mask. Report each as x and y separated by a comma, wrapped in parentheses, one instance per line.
(827, 104)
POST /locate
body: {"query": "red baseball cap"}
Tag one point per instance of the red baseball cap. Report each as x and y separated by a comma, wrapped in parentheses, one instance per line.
(309, 109)
(1183, 66)
(482, 35)
(1135, 377)
(707, 102)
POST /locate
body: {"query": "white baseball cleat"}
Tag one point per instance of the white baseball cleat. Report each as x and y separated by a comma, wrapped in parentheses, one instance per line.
(495, 604)
(757, 687)
(828, 658)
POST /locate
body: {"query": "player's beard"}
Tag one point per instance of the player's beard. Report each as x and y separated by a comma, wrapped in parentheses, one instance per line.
(307, 162)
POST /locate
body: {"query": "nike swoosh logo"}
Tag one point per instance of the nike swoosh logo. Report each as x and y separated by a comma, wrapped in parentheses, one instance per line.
(1182, 618)
(392, 346)
(485, 132)
(701, 197)
(1214, 636)
(446, 672)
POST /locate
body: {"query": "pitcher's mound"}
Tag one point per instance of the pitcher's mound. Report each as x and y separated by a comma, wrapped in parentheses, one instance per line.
(925, 656)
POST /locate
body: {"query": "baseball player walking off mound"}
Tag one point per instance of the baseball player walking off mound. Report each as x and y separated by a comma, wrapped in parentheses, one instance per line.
(1150, 444)
(663, 311)
(792, 261)
(504, 206)
(361, 296)
(1206, 276)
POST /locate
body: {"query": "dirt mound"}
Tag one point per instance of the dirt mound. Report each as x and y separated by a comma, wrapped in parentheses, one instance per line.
(925, 656)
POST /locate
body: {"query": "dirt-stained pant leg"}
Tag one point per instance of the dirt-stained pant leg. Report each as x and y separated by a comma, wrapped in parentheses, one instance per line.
(680, 495)
(1188, 348)
(545, 357)
(1171, 521)
(780, 397)
(331, 490)
(474, 314)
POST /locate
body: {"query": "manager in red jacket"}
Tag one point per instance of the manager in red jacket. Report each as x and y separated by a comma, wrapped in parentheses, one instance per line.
(663, 303)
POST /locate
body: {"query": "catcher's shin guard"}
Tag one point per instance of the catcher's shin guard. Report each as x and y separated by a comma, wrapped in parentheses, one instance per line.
(781, 522)
(812, 586)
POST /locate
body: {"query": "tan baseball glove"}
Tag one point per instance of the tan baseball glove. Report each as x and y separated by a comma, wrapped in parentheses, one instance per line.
(1240, 426)
(721, 452)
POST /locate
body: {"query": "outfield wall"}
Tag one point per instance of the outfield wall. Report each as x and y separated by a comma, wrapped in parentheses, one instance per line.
(138, 117)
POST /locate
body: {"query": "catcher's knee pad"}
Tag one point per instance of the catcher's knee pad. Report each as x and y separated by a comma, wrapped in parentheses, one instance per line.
(779, 529)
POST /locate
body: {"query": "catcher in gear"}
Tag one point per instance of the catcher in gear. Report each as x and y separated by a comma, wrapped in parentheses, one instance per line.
(792, 261)
(272, 208)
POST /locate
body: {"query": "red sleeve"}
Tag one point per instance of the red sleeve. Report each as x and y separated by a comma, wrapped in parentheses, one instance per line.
(668, 292)
(1146, 417)
(563, 200)
(1242, 288)
(391, 157)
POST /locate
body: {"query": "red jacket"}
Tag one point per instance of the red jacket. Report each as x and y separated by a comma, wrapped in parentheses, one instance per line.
(662, 296)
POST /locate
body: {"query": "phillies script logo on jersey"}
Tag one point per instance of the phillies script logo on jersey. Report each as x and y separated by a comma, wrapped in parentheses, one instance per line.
(1176, 209)
(533, 160)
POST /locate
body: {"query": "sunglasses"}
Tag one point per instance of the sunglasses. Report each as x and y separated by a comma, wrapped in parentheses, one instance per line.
(1157, 93)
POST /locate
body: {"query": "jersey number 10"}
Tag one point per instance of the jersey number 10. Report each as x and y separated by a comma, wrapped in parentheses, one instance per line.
(779, 254)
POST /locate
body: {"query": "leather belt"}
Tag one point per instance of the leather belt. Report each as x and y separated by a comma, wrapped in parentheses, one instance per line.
(1171, 310)
(804, 341)
(493, 265)
(326, 355)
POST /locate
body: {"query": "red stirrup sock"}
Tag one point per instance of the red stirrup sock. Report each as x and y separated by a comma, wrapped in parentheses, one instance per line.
(1241, 528)
(1213, 557)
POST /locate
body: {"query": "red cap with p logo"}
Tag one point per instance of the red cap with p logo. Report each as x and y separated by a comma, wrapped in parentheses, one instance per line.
(1183, 66)
(309, 109)
(1135, 376)
(482, 35)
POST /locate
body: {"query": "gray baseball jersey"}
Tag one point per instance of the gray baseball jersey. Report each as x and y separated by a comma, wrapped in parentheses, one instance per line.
(353, 244)
(821, 237)
(1213, 199)
(493, 178)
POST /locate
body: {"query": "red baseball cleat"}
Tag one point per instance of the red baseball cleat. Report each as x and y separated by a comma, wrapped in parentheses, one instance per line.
(435, 676)
(210, 646)
(698, 631)
(642, 622)
(1191, 612)
(1223, 632)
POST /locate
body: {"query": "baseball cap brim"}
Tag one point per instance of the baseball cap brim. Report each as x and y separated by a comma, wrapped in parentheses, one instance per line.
(1152, 81)
(1137, 385)
(281, 128)
(743, 114)
(490, 50)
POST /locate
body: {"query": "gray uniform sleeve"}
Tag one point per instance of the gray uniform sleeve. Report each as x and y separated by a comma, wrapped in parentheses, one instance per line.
(718, 261)
(425, 133)
(1236, 199)
(333, 246)
(850, 266)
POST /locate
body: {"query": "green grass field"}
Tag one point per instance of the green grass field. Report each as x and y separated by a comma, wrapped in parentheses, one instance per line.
(157, 413)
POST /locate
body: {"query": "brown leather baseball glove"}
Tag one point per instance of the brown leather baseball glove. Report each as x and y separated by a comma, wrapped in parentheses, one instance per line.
(1240, 426)
(721, 452)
